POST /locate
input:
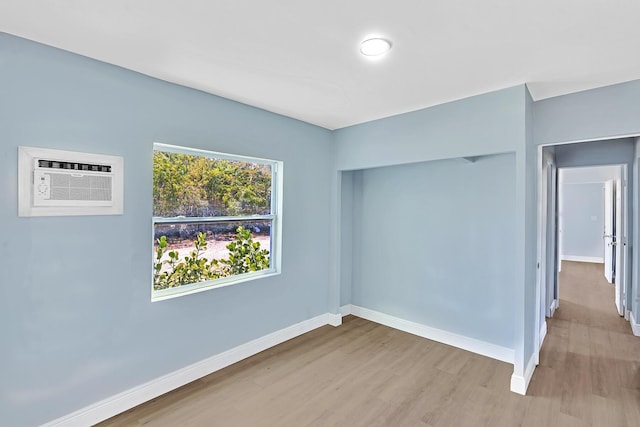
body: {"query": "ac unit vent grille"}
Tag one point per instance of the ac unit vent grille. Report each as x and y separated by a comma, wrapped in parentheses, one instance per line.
(56, 164)
(69, 187)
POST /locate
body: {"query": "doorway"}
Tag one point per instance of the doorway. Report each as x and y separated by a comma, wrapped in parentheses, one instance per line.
(592, 224)
(615, 160)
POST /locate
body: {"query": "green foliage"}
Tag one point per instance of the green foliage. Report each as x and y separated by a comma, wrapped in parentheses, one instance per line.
(245, 255)
(191, 185)
(192, 269)
(176, 187)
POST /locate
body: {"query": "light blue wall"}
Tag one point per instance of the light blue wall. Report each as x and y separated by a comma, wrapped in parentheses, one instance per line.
(589, 174)
(498, 122)
(486, 124)
(602, 113)
(78, 324)
(596, 153)
(435, 244)
(582, 220)
(526, 241)
(582, 194)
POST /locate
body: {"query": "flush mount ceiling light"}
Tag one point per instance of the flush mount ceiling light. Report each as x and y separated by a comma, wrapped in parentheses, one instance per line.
(375, 47)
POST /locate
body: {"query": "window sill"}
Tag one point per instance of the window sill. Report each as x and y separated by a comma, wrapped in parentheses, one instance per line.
(165, 294)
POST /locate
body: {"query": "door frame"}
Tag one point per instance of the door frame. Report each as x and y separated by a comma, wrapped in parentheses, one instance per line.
(540, 323)
(547, 196)
(621, 221)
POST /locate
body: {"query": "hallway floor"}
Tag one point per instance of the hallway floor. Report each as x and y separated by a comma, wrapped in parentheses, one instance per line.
(589, 370)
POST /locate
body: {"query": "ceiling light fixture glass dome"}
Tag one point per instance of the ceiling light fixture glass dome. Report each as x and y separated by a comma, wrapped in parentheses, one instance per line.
(375, 46)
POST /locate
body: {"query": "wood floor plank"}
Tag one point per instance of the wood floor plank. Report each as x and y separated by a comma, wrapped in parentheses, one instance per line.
(607, 412)
(564, 420)
(631, 406)
(475, 410)
(542, 411)
(366, 374)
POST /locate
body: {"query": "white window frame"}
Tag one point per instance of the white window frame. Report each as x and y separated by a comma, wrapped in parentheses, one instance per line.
(275, 217)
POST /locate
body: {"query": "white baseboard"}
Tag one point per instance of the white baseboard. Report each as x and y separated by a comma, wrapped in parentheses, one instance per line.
(635, 326)
(578, 258)
(121, 402)
(345, 310)
(520, 383)
(334, 319)
(494, 351)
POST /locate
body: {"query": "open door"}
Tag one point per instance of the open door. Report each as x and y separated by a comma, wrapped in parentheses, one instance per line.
(548, 242)
(609, 236)
(549, 249)
(553, 256)
(615, 236)
(546, 276)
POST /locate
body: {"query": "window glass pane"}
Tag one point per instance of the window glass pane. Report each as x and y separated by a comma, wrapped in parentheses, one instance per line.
(191, 253)
(200, 186)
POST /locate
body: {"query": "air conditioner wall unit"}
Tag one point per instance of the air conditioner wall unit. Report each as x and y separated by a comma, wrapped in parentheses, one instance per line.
(56, 183)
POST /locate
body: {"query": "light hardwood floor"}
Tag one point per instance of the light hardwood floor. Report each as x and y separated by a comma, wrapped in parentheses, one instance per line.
(364, 374)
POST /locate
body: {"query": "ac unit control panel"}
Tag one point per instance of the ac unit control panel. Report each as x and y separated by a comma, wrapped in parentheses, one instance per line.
(41, 187)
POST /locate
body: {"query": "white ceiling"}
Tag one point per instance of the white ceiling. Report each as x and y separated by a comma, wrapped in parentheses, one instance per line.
(301, 59)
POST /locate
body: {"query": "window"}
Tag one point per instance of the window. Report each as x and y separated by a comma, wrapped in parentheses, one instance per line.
(215, 219)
